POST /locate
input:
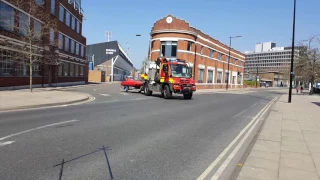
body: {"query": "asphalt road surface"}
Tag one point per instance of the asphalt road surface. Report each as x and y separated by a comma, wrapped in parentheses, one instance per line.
(149, 137)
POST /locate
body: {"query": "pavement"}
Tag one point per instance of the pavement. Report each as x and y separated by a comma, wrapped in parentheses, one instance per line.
(149, 137)
(23, 99)
(288, 146)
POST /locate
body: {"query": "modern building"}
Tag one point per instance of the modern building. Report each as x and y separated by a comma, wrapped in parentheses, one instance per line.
(110, 58)
(58, 53)
(267, 57)
(174, 38)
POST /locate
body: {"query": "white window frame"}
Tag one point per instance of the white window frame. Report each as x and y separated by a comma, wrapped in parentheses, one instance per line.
(210, 68)
(220, 70)
(201, 67)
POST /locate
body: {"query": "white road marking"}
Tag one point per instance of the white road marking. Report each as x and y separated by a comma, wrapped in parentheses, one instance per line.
(6, 143)
(33, 129)
(236, 149)
(224, 152)
(253, 105)
(125, 94)
(239, 113)
(104, 94)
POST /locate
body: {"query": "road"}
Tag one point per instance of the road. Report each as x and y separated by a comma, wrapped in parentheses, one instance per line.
(149, 137)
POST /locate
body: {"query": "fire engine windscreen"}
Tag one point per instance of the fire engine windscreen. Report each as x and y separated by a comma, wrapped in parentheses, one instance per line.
(180, 70)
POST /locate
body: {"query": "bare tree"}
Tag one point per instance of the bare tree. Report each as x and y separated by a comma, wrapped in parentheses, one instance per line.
(37, 28)
(307, 66)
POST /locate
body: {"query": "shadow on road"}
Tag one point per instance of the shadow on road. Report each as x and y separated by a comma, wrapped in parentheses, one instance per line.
(103, 148)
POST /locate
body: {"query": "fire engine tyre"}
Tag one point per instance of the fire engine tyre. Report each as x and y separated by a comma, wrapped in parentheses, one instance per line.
(147, 92)
(167, 94)
(187, 96)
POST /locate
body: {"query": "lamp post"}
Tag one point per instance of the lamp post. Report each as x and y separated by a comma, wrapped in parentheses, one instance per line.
(229, 59)
(292, 53)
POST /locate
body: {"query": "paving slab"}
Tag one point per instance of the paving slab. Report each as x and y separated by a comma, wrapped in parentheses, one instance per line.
(22, 99)
(290, 137)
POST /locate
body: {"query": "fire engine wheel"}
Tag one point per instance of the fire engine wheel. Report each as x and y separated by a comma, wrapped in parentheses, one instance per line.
(167, 94)
(187, 96)
(147, 92)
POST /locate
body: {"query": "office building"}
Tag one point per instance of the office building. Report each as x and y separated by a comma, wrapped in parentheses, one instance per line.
(59, 52)
(276, 59)
(108, 60)
(174, 38)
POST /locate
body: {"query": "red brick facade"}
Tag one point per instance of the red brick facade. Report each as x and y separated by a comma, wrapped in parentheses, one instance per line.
(76, 69)
(171, 28)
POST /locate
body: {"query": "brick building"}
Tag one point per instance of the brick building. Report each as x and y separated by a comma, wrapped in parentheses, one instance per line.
(64, 42)
(175, 38)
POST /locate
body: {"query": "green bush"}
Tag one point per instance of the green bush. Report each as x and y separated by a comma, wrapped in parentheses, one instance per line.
(249, 83)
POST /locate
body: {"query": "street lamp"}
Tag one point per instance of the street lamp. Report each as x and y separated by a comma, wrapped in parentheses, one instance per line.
(229, 59)
(149, 57)
(292, 53)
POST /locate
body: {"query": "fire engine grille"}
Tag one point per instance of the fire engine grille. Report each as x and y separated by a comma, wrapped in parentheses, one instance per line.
(184, 81)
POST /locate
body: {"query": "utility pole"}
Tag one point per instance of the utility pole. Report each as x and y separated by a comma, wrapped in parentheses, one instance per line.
(228, 72)
(292, 53)
(257, 74)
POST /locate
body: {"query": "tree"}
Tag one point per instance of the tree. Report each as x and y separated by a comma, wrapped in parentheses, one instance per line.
(307, 66)
(37, 28)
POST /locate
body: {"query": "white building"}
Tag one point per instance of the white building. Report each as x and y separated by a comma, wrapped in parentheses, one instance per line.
(267, 57)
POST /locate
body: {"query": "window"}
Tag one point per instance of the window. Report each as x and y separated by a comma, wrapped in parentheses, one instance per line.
(81, 70)
(200, 75)
(189, 47)
(51, 38)
(66, 43)
(71, 69)
(239, 79)
(77, 48)
(61, 13)
(235, 61)
(201, 50)
(73, 23)
(36, 68)
(152, 44)
(65, 69)
(39, 2)
(60, 41)
(210, 76)
(78, 27)
(53, 7)
(240, 63)
(233, 79)
(72, 46)
(219, 77)
(23, 24)
(82, 51)
(76, 70)
(67, 18)
(211, 53)
(6, 17)
(37, 27)
(220, 56)
(60, 69)
(226, 79)
(6, 65)
(23, 69)
(169, 49)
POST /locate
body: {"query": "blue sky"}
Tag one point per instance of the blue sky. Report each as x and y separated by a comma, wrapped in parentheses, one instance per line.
(255, 20)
